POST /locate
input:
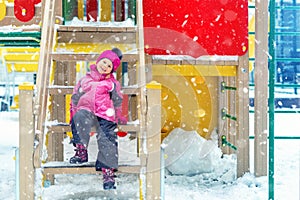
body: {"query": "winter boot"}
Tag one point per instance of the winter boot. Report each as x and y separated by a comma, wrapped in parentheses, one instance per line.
(80, 156)
(108, 179)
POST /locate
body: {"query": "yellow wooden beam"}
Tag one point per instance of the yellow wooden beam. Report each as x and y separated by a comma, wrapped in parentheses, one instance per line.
(96, 47)
(22, 67)
(25, 57)
(4, 50)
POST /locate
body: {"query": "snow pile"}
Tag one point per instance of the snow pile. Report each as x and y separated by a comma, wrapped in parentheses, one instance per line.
(187, 153)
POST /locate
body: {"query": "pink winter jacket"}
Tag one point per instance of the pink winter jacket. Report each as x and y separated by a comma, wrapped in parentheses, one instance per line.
(96, 98)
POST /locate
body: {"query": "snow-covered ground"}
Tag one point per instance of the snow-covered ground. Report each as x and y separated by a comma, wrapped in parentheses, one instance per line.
(214, 185)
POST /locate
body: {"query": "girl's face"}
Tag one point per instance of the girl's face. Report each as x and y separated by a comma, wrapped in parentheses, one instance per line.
(104, 66)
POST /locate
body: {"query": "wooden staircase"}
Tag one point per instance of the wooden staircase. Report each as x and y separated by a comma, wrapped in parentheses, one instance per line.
(53, 90)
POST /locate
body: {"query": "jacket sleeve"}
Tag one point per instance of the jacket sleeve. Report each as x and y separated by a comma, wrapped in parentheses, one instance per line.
(86, 84)
(116, 97)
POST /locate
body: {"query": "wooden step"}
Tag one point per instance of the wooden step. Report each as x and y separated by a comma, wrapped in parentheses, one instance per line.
(65, 127)
(63, 90)
(60, 89)
(71, 56)
(85, 168)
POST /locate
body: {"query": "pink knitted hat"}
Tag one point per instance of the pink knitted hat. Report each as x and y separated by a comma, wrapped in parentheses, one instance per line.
(112, 56)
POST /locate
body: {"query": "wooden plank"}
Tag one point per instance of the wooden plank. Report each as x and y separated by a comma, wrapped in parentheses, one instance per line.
(119, 10)
(70, 74)
(153, 166)
(64, 127)
(43, 75)
(203, 62)
(182, 60)
(7, 21)
(80, 9)
(118, 37)
(242, 110)
(85, 168)
(105, 14)
(26, 144)
(71, 56)
(132, 10)
(130, 90)
(120, 30)
(59, 128)
(104, 29)
(92, 10)
(89, 28)
(189, 62)
(174, 62)
(10, 18)
(261, 90)
(62, 28)
(72, 28)
(63, 90)
(231, 62)
(218, 62)
(131, 29)
(58, 12)
(158, 62)
(55, 145)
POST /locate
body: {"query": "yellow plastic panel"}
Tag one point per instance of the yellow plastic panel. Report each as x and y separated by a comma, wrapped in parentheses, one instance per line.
(21, 57)
(22, 67)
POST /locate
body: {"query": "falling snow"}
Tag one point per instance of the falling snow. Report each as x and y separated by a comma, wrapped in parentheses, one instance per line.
(217, 183)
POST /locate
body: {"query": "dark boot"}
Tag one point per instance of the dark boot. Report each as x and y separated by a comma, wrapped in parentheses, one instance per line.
(108, 179)
(80, 156)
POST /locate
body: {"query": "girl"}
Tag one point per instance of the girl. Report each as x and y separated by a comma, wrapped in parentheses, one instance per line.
(93, 104)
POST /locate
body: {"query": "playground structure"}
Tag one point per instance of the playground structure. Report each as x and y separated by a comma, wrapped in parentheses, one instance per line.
(196, 94)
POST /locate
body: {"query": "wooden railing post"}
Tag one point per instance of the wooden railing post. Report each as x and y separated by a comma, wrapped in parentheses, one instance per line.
(26, 142)
(242, 113)
(153, 141)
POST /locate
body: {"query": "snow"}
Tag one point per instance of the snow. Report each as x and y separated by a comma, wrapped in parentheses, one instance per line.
(202, 155)
(220, 183)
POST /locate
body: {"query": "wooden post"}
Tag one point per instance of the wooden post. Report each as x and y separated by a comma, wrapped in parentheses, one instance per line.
(132, 10)
(119, 10)
(44, 73)
(242, 110)
(70, 9)
(261, 89)
(105, 11)
(153, 165)
(91, 10)
(80, 9)
(26, 142)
